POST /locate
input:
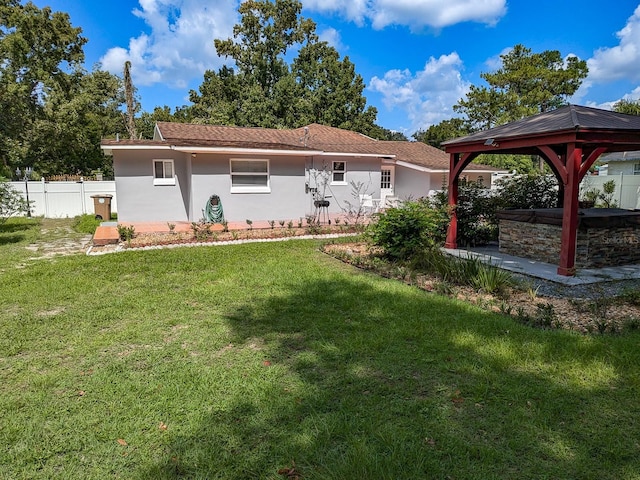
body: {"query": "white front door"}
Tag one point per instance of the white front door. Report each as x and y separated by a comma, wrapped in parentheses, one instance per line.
(387, 174)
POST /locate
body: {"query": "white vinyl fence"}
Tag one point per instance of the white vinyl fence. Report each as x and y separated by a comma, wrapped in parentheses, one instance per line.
(627, 191)
(65, 199)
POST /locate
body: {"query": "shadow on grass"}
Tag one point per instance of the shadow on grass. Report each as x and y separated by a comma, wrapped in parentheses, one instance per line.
(11, 239)
(18, 225)
(14, 230)
(372, 380)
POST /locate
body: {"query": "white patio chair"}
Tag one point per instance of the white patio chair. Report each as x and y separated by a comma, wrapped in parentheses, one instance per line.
(366, 203)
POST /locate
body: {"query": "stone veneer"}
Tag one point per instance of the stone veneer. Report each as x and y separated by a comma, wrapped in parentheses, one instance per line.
(596, 247)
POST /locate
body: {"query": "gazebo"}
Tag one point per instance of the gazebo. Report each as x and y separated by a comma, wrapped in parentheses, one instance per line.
(570, 139)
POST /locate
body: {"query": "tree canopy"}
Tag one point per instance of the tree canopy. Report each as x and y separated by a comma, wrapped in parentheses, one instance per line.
(52, 112)
(262, 89)
(526, 84)
(630, 107)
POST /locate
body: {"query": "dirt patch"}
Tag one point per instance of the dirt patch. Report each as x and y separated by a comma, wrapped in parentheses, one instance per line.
(601, 313)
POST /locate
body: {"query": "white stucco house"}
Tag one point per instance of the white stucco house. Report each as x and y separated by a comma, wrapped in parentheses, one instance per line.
(264, 174)
(616, 163)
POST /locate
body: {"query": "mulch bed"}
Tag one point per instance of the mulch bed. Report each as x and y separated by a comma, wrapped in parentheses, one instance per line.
(601, 313)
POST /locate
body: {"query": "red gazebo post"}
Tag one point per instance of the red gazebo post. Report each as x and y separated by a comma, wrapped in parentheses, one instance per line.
(452, 230)
(569, 235)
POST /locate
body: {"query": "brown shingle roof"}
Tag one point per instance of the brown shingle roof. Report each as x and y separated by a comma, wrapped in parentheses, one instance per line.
(311, 137)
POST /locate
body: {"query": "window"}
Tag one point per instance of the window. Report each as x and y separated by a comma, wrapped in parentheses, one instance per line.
(163, 172)
(339, 173)
(636, 169)
(250, 176)
(385, 179)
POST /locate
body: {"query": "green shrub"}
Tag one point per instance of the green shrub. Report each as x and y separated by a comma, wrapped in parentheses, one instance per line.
(11, 201)
(476, 211)
(86, 224)
(477, 206)
(126, 233)
(528, 191)
(414, 226)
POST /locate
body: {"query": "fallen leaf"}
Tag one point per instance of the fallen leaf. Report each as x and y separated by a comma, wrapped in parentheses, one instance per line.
(266, 363)
(290, 472)
(81, 393)
(162, 426)
(122, 442)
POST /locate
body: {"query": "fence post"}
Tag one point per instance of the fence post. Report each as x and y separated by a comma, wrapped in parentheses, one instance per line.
(45, 198)
(82, 196)
(620, 190)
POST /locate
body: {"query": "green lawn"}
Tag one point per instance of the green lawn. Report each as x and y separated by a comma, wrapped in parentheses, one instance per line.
(233, 362)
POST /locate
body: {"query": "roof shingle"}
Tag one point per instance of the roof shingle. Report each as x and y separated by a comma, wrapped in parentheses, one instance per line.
(312, 137)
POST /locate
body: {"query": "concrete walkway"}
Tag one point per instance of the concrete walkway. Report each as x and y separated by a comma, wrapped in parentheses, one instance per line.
(547, 271)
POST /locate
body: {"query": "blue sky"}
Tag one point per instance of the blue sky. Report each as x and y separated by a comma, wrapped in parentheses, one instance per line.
(417, 57)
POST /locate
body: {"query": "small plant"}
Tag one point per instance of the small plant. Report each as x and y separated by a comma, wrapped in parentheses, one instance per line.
(290, 224)
(631, 296)
(505, 308)
(532, 293)
(235, 235)
(250, 223)
(491, 280)
(225, 226)
(631, 324)
(126, 233)
(443, 288)
(11, 202)
(281, 222)
(172, 227)
(201, 231)
(271, 223)
(314, 229)
(299, 223)
(522, 315)
(546, 314)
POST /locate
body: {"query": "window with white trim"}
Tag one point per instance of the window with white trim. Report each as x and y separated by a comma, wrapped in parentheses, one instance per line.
(163, 172)
(249, 176)
(636, 169)
(339, 173)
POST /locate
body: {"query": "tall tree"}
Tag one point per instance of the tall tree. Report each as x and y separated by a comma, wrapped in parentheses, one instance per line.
(526, 84)
(129, 94)
(435, 135)
(75, 117)
(146, 122)
(36, 46)
(264, 35)
(264, 90)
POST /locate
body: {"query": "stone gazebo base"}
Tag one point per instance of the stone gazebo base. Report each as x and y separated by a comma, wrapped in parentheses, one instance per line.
(606, 237)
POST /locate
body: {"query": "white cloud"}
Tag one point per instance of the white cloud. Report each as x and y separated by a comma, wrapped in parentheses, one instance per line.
(332, 37)
(428, 95)
(414, 13)
(495, 63)
(621, 61)
(179, 46)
